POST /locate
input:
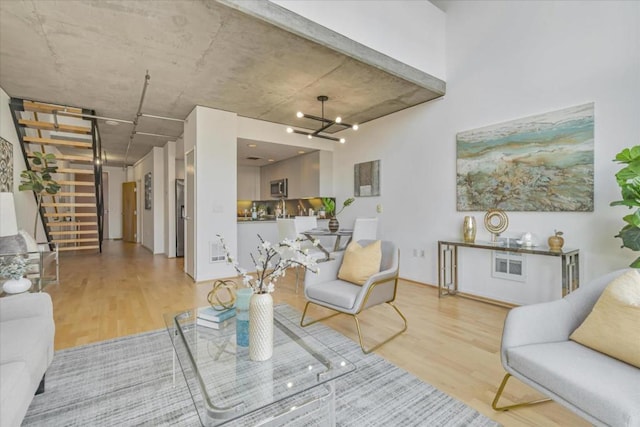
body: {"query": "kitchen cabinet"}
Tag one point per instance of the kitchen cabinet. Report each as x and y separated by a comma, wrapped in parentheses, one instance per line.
(309, 175)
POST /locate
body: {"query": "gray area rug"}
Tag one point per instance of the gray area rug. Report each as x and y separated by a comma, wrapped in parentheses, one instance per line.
(128, 382)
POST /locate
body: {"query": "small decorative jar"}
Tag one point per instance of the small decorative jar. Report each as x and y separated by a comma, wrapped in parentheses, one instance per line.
(556, 242)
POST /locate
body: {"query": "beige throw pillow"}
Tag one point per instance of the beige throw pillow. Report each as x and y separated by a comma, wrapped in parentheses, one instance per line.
(613, 326)
(360, 263)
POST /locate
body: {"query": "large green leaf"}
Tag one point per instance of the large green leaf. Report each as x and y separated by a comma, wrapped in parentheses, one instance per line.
(633, 219)
(636, 263)
(630, 236)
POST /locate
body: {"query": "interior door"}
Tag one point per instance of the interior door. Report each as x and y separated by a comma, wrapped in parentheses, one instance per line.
(180, 214)
(189, 218)
(129, 212)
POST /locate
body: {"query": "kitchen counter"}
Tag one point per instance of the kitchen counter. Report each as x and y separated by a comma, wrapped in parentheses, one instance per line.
(248, 241)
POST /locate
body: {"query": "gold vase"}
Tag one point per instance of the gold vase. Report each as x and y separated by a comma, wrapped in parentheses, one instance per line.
(469, 229)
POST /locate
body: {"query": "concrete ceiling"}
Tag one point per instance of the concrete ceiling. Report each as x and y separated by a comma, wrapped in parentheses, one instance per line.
(253, 58)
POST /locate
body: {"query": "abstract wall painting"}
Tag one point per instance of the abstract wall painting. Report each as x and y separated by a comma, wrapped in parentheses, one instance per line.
(6, 166)
(366, 179)
(538, 163)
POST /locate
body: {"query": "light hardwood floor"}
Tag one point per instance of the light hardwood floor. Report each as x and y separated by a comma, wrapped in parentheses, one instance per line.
(452, 343)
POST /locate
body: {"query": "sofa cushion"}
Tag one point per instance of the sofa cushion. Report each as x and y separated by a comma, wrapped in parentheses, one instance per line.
(613, 326)
(360, 263)
(27, 340)
(15, 393)
(604, 387)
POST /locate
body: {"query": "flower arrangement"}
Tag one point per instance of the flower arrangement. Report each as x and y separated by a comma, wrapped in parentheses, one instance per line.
(272, 263)
(13, 268)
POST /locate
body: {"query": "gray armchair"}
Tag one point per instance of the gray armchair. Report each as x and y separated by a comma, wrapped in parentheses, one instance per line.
(325, 289)
(536, 350)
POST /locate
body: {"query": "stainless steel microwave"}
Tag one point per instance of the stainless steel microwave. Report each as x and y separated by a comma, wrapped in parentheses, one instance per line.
(279, 188)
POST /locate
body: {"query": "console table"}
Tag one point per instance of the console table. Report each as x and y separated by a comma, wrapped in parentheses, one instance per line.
(448, 262)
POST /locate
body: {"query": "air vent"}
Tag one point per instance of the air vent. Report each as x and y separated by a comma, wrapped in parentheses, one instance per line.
(254, 158)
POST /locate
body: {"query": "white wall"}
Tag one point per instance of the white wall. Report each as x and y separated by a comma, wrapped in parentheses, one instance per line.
(213, 133)
(151, 221)
(116, 177)
(24, 200)
(408, 30)
(169, 160)
(506, 60)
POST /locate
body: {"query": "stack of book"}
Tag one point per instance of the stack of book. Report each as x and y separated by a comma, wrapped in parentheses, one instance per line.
(214, 318)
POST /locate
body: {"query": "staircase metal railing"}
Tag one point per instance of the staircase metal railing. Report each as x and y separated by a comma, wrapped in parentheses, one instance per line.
(97, 169)
(17, 107)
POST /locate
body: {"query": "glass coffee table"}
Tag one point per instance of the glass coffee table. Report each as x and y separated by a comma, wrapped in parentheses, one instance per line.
(294, 387)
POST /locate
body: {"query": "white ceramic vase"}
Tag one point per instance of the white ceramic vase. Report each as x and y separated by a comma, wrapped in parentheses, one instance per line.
(13, 286)
(261, 327)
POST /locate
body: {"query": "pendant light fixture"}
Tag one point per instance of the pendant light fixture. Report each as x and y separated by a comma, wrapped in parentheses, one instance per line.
(326, 124)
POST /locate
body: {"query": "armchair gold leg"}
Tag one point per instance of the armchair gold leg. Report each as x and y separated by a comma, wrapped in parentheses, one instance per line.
(503, 384)
(355, 317)
(369, 350)
(304, 313)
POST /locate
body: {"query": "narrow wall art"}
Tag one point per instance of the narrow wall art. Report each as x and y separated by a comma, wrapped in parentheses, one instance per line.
(6, 166)
(366, 179)
(147, 191)
(538, 163)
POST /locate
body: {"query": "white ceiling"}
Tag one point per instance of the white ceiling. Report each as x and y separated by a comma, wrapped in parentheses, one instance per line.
(255, 61)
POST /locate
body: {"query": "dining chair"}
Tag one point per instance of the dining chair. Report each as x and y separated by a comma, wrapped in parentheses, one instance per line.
(365, 228)
(287, 229)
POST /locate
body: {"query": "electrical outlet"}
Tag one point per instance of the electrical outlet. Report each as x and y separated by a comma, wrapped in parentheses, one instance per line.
(379, 208)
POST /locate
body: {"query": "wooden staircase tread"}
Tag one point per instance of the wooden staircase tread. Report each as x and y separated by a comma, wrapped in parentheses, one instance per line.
(51, 141)
(61, 214)
(76, 194)
(70, 170)
(36, 124)
(74, 224)
(75, 240)
(60, 233)
(41, 107)
(78, 183)
(77, 248)
(70, 205)
(69, 157)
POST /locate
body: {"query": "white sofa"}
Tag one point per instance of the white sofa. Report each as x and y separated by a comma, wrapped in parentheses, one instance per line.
(26, 351)
(536, 349)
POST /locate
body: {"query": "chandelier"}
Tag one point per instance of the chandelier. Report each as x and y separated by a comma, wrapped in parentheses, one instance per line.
(326, 124)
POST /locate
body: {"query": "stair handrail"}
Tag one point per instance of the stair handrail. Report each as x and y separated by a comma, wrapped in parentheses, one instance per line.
(97, 174)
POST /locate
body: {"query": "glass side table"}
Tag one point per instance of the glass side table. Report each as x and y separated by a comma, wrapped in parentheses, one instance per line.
(42, 267)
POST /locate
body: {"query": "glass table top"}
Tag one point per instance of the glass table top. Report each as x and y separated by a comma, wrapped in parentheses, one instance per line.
(225, 384)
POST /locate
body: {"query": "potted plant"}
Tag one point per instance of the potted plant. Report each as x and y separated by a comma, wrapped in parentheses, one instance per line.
(628, 179)
(39, 180)
(329, 205)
